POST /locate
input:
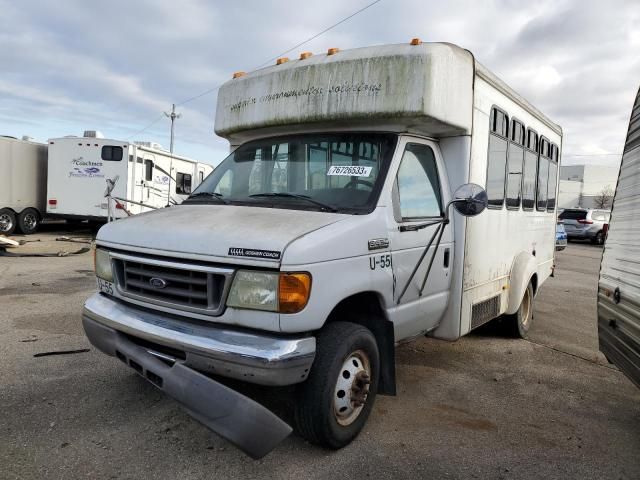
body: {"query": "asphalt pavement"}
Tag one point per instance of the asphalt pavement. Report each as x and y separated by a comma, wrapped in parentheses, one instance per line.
(482, 407)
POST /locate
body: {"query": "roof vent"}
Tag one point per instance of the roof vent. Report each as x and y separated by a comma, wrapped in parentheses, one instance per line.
(27, 138)
(92, 134)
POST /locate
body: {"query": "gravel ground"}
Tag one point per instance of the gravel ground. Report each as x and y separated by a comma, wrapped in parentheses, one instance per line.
(482, 407)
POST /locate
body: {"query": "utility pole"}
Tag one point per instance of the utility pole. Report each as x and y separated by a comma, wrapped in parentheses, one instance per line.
(173, 115)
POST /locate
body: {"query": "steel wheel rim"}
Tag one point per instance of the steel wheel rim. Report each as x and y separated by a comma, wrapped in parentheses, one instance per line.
(352, 388)
(30, 221)
(5, 222)
(526, 309)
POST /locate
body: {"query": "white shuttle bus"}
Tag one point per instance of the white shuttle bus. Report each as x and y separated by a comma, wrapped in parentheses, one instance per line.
(23, 184)
(372, 196)
(80, 166)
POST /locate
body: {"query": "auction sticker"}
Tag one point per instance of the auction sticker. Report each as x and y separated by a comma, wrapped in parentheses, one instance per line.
(349, 171)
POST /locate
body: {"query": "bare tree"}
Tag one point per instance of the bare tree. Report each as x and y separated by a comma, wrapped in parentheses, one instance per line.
(603, 199)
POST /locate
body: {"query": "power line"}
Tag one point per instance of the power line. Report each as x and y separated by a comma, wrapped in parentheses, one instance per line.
(160, 117)
(313, 37)
(319, 33)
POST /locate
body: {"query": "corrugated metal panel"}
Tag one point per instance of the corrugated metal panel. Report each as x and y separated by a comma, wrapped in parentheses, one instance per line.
(619, 284)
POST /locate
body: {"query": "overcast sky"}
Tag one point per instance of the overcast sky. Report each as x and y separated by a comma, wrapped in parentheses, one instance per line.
(116, 65)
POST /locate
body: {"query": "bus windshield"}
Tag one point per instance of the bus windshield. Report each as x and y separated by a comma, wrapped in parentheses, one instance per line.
(328, 172)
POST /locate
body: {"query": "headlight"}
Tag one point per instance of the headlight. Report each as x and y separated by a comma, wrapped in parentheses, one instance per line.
(275, 292)
(102, 264)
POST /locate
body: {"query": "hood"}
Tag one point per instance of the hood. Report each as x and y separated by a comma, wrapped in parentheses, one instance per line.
(250, 235)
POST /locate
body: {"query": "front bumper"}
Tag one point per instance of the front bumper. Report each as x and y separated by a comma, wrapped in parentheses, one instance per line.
(242, 421)
(256, 358)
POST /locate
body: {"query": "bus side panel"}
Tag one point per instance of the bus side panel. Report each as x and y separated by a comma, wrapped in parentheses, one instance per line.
(619, 283)
(456, 152)
(497, 236)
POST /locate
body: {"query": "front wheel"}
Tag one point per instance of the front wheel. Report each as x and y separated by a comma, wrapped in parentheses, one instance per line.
(333, 404)
(7, 221)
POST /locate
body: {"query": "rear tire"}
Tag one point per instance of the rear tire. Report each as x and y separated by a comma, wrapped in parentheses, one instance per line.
(518, 324)
(333, 404)
(7, 221)
(599, 238)
(29, 221)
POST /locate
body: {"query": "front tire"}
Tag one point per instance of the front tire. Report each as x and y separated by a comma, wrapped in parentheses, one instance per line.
(518, 324)
(29, 221)
(7, 221)
(333, 404)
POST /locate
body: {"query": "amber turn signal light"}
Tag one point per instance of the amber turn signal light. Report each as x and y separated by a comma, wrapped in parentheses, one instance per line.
(293, 291)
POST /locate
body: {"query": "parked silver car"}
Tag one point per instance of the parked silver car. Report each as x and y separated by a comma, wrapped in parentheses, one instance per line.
(585, 224)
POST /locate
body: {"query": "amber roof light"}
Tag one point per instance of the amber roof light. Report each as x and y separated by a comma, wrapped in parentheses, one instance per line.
(415, 41)
(333, 51)
(304, 55)
(239, 74)
(282, 60)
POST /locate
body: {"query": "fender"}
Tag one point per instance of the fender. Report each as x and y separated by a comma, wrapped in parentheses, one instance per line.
(523, 268)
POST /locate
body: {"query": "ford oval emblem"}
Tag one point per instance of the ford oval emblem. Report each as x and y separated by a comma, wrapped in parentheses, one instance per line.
(156, 282)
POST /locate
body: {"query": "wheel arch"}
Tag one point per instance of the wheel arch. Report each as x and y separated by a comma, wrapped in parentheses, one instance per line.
(367, 309)
(523, 272)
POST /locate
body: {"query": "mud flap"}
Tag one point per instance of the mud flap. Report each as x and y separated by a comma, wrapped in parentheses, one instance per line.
(248, 425)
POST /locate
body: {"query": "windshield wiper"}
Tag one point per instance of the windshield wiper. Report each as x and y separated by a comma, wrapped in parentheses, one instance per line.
(295, 195)
(217, 196)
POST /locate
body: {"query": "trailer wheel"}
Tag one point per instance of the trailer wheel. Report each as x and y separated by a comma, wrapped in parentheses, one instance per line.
(333, 404)
(518, 324)
(29, 221)
(7, 221)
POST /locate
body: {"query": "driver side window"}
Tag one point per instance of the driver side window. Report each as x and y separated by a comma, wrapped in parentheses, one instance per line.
(418, 183)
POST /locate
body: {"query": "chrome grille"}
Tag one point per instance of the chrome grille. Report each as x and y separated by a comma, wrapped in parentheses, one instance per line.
(484, 311)
(192, 287)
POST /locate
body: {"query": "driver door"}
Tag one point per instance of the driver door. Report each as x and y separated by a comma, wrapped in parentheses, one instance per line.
(420, 190)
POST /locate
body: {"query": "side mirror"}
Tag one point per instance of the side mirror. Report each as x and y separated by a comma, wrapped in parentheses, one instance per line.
(470, 199)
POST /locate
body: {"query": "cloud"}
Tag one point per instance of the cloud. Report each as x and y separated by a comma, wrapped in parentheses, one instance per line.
(116, 65)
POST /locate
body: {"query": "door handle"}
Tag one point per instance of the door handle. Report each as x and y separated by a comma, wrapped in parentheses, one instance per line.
(446, 258)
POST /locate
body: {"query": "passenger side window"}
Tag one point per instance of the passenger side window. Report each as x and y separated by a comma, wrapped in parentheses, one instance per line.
(111, 153)
(183, 183)
(148, 170)
(529, 171)
(418, 183)
(497, 158)
(553, 178)
(515, 165)
(543, 174)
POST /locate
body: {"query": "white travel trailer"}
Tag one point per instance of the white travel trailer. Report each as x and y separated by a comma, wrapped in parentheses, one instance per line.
(619, 283)
(348, 218)
(23, 183)
(80, 166)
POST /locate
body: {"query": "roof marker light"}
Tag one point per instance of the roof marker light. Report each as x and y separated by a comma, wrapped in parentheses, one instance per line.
(415, 41)
(282, 60)
(239, 74)
(305, 55)
(333, 51)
